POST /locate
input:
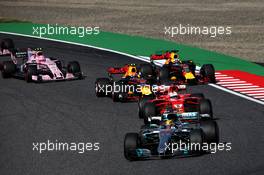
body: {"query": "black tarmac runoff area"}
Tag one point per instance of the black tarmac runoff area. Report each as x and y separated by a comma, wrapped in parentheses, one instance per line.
(70, 112)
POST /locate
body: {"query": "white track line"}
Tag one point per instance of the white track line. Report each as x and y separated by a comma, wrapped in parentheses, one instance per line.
(237, 94)
(135, 57)
(252, 89)
(222, 78)
(220, 75)
(251, 92)
(232, 82)
(239, 85)
(259, 96)
(244, 87)
(225, 80)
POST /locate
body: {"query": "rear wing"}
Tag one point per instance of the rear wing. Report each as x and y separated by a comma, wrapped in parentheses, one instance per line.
(20, 53)
(186, 116)
(189, 115)
(182, 116)
(162, 55)
(25, 52)
(5, 52)
(116, 70)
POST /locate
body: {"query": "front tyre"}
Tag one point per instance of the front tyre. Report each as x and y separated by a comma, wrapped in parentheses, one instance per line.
(31, 70)
(131, 143)
(205, 107)
(141, 104)
(74, 68)
(103, 87)
(149, 110)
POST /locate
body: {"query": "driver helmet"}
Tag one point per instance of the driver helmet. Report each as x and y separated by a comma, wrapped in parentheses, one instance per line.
(168, 123)
(131, 71)
(175, 58)
(40, 56)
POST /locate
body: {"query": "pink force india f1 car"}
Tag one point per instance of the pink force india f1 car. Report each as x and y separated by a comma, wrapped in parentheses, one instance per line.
(32, 66)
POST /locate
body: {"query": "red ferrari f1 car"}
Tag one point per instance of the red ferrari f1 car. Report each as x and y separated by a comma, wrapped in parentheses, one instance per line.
(174, 102)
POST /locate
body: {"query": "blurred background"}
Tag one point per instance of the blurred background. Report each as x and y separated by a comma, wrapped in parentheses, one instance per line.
(149, 17)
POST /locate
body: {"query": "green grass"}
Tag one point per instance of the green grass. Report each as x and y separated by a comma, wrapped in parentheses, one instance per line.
(141, 46)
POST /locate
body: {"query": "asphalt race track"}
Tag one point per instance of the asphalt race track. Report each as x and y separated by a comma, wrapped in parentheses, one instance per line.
(70, 112)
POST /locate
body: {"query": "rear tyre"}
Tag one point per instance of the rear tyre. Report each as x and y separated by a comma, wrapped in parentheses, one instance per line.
(29, 72)
(149, 111)
(103, 87)
(120, 97)
(7, 43)
(131, 143)
(208, 71)
(115, 97)
(210, 130)
(146, 71)
(8, 68)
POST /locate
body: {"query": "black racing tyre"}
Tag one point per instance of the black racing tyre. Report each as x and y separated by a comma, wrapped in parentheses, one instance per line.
(122, 97)
(119, 95)
(208, 71)
(146, 70)
(205, 107)
(141, 104)
(131, 143)
(115, 96)
(30, 71)
(8, 68)
(149, 110)
(74, 68)
(210, 130)
(7, 43)
(198, 95)
(103, 87)
(196, 140)
(164, 74)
